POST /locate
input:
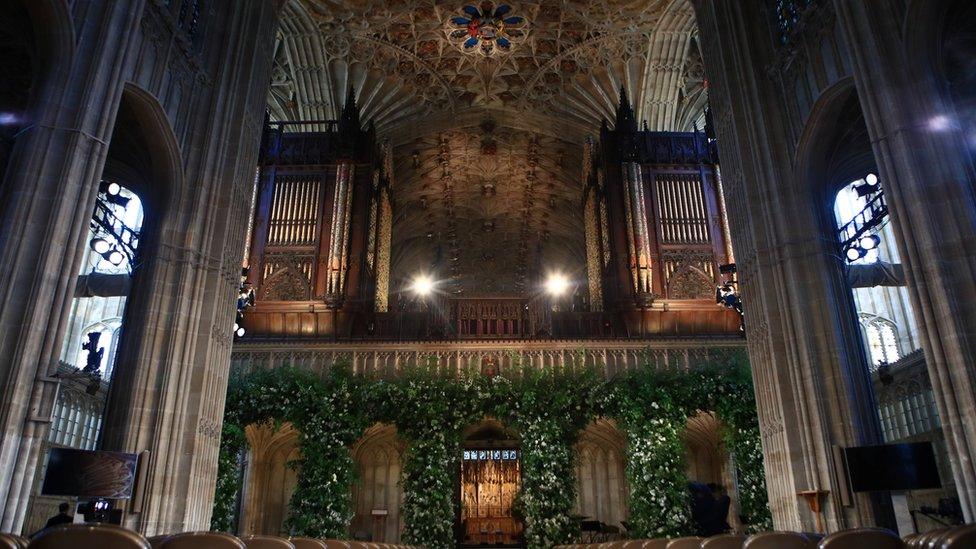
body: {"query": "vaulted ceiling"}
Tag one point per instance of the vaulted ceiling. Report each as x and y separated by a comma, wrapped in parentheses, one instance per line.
(488, 134)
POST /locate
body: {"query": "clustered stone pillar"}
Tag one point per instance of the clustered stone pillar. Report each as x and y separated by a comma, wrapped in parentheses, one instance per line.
(50, 187)
(812, 384)
(173, 362)
(929, 182)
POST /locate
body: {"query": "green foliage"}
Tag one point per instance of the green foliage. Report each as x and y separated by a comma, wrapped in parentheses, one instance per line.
(548, 407)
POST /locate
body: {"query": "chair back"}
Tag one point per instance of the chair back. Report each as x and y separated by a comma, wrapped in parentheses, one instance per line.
(633, 544)
(267, 542)
(958, 538)
(724, 541)
(21, 541)
(656, 543)
(690, 542)
(8, 541)
(336, 544)
(156, 541)
(102, 536)
(862, 538)
(308, 543)
(778, 540)
(202, 540)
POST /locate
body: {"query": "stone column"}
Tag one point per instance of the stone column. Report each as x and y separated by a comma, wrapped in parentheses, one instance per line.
(168, 394)
(930, 186)
(50, 186)
(810, 370)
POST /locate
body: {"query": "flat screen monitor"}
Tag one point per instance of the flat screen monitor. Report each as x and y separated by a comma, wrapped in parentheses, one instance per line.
(89, 474)
(894, 467)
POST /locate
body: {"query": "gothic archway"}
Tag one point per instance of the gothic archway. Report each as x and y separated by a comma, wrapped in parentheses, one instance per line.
(378, 494)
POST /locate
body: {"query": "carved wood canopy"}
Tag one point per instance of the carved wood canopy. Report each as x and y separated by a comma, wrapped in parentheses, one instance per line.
(488, 145)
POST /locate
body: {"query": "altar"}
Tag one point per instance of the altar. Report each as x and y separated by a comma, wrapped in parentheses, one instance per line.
(490, 480)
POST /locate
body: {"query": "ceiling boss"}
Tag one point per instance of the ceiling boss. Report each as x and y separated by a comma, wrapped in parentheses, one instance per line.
(486, 29)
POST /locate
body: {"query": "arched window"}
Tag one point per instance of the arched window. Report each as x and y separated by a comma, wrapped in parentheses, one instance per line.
(97, 316)
(866, 241)
(882, 339)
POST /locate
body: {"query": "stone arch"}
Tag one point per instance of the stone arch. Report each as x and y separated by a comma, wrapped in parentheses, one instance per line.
(602, 492)
(834, 147)
(269, 479)
(379, 463)
(708, 462)
(145, 153)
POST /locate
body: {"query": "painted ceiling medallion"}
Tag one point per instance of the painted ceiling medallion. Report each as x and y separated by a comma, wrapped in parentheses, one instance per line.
(486, 29)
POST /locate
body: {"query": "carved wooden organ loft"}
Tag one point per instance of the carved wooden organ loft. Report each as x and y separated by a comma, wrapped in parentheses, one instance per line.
(319, 255)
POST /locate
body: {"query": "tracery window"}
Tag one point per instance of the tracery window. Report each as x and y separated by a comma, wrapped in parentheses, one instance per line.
(882, 339)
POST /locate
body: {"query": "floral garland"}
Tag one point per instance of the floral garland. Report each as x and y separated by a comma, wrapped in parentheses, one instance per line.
(322, 412)
(547, 407)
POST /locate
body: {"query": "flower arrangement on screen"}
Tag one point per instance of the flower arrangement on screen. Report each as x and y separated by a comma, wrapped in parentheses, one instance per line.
(547, 407)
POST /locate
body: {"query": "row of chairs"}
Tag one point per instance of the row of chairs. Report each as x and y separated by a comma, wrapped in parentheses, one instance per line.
(106, 536)
(958, 537)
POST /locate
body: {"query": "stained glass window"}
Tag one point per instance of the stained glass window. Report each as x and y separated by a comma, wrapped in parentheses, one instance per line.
(788, 14)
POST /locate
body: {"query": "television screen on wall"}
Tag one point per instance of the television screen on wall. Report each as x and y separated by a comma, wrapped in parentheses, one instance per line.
(89, 474)
(892, 467)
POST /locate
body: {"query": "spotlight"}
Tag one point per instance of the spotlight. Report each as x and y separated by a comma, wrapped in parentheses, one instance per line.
(557, 284)
(239, 331)
(236, 327)
(422, 285)
(113, 189)
(871, 179)
(854, 253)
(100, 245)
(869, 242)
(115, 257)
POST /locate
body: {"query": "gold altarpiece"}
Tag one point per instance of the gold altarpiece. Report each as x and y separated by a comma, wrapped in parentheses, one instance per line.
(490, 480)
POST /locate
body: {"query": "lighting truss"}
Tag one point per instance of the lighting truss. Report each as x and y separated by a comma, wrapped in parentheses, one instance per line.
(873, 215)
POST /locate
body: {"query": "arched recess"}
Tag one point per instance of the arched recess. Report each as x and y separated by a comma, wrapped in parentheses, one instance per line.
(36, 42)
(145, 154)
(269, 480)
(379, 462)
(707, 460)
(602, 492)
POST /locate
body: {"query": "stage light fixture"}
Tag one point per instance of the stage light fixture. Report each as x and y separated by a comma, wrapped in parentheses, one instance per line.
(869, 242)
(113, 189)
(871, 179)
(557, 284)
(854, 253)
(115, 257)
(239, 331)
(422, 285)
(100, 245)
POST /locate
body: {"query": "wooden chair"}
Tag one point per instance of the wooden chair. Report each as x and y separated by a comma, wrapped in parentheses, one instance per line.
(960, 537)
(724, 541)
(102, 536)
(862, 538)
(309, 543)
(690, 542)
(267, 542)
(656, 543)
(778, 540)
(21, 541)
(7, 541)
(633, 544)
(202, 540)
(335, 544)
(156, 541)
